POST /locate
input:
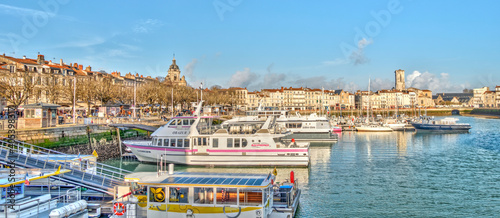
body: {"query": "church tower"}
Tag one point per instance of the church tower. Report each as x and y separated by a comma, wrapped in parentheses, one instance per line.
(400, 80)
(174, 75)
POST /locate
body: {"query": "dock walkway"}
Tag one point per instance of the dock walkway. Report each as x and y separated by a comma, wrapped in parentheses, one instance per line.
(25, 155)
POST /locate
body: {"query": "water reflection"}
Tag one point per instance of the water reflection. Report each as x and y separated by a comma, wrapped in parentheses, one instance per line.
(398, 174)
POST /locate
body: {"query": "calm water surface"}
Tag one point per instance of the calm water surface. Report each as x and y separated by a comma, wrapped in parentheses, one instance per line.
(395, 174)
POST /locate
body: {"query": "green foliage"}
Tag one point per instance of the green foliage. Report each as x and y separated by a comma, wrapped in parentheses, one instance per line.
(83, 139)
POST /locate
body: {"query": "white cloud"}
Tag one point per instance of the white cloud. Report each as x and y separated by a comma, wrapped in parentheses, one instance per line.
(379, 84)
(433, 82)
(243, 78)
(146, 26)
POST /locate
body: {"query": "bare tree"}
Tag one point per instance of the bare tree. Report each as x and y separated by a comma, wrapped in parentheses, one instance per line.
(53, 89)
(16, 89)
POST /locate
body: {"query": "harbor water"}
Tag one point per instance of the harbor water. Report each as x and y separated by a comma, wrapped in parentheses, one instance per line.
(394, 174)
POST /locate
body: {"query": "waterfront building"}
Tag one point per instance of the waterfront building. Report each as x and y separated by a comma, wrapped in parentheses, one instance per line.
(489, 99)
(497, 96)
(479, 97)
(458, 99)
(174, 75)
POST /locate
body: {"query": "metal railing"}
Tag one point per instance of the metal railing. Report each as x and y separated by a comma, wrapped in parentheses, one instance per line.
(58, 199)
(111, 175)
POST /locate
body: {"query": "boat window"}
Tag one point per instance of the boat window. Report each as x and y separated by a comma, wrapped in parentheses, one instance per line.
(215, 143)
(173, 123)
(227, 196)
(229, 142)
(203, 195)
(172, 142)
(165, 142)
(205, 142)
(179, 143)
(191, 122)
(178, 122)
(157, 194)
(154, 141)
(250, 197)
(159, 142)
(186, 143)
(185, 122)
(236, 143)
(199, 141)
(243, 143)
(178, 195)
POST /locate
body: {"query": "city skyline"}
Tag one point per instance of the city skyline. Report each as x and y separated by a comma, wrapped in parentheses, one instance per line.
(267, 45)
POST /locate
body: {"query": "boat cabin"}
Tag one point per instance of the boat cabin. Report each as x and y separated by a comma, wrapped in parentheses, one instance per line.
(202, 194)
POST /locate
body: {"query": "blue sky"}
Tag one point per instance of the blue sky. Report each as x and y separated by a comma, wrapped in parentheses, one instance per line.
(444, 46)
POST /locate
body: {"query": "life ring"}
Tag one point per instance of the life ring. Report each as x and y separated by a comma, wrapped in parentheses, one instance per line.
(121, 207)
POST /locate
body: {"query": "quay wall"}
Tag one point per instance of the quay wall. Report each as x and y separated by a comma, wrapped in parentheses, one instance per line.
(105, 149)
(485, 111)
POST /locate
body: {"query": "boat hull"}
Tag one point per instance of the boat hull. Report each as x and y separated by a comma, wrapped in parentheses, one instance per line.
(297, 157)
(312, 137)
(440, 127)
(370, 129)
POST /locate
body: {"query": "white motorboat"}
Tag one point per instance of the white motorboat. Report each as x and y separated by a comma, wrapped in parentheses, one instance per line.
(196, 141)
(373, 128)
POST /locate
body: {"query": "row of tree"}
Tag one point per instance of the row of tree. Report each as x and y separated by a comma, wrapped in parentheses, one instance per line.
(98, 90)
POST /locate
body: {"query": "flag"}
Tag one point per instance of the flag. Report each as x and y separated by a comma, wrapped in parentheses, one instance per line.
(95, 154)
(79, 158)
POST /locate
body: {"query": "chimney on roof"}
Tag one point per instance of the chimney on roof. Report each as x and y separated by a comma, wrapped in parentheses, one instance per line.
(24, 56)
(88, 68)
(40, 59)
(80, 67)
(50, 61)
(137, 74)
(61, 62)
(75, 65)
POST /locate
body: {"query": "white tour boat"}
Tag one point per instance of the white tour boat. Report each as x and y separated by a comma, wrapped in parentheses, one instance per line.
(196, 141)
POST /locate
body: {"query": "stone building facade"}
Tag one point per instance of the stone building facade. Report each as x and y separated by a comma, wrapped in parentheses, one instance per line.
(174, 75)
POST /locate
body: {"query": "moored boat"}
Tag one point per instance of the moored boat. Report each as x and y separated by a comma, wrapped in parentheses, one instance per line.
(373, 128)
(197, 141)
(182, 194)
(446, 124)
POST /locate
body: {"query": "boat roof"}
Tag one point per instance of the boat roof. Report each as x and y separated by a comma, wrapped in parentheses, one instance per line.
(69, 157)
(202, 179)
(22, 174)
(194, 117)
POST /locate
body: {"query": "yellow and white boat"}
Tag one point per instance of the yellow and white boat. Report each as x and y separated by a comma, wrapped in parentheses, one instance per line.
(199, 195)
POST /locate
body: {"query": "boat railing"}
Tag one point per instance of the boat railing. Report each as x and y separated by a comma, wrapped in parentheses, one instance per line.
(284, 198)
(33, 151)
